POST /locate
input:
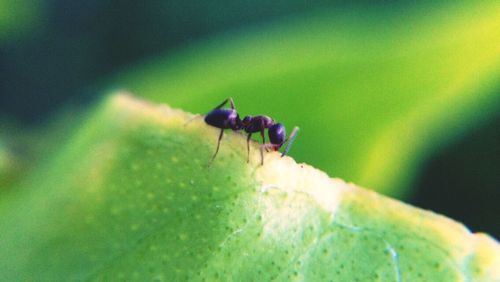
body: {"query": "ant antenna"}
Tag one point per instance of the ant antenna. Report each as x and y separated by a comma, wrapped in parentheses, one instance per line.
(290, 140)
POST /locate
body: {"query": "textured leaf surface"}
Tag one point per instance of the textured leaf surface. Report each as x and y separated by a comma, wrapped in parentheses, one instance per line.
(376, 90)
(131, 196)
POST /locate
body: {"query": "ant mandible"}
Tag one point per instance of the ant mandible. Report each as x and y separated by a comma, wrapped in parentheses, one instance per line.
(225, 118)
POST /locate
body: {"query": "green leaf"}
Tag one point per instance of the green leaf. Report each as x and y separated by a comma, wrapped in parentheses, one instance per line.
(131, 197)
(375, 90)
(23, 147)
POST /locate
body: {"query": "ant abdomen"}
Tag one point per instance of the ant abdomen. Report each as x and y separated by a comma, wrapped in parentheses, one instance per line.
(223, 118)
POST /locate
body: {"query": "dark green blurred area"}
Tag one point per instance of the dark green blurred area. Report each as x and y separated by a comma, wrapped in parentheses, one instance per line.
(55, 53)
(68, 45)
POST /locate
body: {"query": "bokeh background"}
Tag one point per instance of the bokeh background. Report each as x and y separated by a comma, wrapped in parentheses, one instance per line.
(400, 97)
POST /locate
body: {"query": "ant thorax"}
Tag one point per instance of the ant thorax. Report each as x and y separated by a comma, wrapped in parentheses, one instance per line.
(256, 123)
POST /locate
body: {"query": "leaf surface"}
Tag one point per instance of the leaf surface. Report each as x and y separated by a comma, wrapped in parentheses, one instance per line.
(131, 197)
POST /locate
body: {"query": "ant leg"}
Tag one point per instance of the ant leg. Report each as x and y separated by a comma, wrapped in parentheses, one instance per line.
(261, 155)
(248, 147)
(290, 140)
(221, 105)
(262, 133)
(192, 119)
(218, 145)
(263, 138)
(231, 102)
(266, 147)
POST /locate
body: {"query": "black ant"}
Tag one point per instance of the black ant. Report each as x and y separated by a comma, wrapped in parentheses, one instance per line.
(225, 118)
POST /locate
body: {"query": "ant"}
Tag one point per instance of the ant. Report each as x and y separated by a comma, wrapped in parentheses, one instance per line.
(225, 118)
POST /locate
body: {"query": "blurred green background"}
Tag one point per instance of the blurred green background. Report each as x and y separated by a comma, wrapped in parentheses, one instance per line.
(400, 97)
